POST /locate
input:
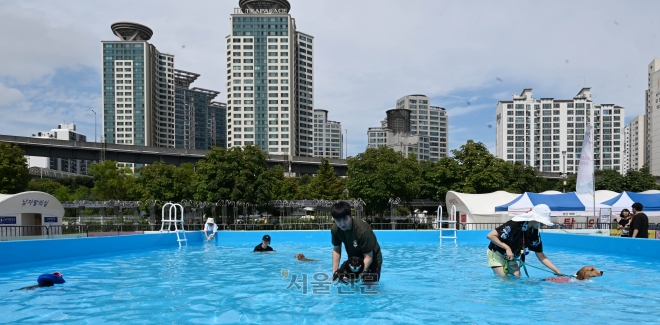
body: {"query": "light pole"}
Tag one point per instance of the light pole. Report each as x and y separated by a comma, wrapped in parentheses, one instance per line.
(94, 125)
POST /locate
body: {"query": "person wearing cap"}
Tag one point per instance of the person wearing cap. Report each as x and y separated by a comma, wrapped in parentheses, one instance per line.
(358, 239)
(210, 226)
(509, 241)
(264, 246)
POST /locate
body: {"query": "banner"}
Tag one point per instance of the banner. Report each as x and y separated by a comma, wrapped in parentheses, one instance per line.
(585, 177)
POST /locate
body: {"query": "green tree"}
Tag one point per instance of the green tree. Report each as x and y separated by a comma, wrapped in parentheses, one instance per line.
(45, 185)
(571, 182)
(439, 178)
(14, 176)
(62, 192)
(480, 171)
(609, 180)
(377, 175)
(524, 179)
(163, 182)
(326, 185)
(639, 180)
(303, 186)
(284, 188)
(237, 174)
(112, 182)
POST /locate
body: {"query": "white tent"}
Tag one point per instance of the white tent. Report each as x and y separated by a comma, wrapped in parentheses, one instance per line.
(604, 195)
(30, 209)
(479, 208)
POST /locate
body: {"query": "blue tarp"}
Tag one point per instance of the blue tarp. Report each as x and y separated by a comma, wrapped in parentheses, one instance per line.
(650, 201)
(556, 202)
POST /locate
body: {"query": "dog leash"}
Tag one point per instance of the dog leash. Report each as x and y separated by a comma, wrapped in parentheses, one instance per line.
(524, 266)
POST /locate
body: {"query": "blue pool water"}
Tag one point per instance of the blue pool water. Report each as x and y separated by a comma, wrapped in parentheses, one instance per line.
(225, 283)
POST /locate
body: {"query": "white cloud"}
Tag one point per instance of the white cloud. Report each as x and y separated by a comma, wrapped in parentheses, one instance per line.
(9, 95)
(370, 53)
(457, 111)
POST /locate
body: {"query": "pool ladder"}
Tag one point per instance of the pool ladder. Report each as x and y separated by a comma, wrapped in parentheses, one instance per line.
(451, 221)
(174, 219)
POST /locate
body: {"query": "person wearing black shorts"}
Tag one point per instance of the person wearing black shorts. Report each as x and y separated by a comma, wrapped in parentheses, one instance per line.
(358, 239)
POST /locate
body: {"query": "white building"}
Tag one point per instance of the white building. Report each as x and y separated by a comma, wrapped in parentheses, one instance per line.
(328, 138)
(626, 150)
(547, 134)
(64, 131)
(652, 125)
(413, 127)
(270, 76)
(637, 143)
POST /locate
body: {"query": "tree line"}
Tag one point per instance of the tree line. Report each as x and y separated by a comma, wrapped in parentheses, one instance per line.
(242, 174)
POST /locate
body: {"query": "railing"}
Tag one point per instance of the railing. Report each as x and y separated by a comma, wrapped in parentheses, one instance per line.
(95, 230)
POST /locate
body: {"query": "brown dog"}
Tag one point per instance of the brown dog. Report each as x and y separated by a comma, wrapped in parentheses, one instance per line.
(584, 273)
(588, 272)
(302, 257)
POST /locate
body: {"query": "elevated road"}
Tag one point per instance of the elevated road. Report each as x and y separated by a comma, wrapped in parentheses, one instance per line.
(147, 155)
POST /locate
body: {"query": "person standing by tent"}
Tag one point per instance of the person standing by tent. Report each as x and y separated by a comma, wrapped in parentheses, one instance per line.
(639, 226)
(624, 223)
(509, 241)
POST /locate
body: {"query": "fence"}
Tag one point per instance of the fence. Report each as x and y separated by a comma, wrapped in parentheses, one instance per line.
(32, 232)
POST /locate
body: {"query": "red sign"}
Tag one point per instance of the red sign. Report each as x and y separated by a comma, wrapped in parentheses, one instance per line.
(463, 217)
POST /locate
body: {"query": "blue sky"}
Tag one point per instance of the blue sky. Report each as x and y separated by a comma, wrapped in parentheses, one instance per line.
(464, 55)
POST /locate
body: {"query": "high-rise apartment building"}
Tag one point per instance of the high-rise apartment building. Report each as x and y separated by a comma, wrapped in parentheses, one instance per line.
(328, 136)
(146, 102)
(196, 117)
(637, 142)
(652, 125)
(413, 127)
(64, 131)
(270, 91)
(626, 149)
(547, 134)
(138, 89)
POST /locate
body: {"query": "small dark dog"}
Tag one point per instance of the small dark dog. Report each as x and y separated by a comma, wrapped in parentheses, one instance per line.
(349, 270)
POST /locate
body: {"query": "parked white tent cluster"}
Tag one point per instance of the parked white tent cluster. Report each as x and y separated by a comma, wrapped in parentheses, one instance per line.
(500, 206)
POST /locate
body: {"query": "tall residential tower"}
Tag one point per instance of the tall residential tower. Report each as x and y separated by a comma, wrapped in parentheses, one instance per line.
(413, 127)
(652, 123)
(138, 89)
(270, 91)
(547, 133)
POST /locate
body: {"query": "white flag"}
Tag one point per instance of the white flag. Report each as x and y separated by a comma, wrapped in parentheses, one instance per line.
(585, 176)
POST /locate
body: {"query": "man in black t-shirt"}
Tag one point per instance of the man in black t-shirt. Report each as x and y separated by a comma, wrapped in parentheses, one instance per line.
(358, 239)
(508, 241)
(264, 246)
(639, 227)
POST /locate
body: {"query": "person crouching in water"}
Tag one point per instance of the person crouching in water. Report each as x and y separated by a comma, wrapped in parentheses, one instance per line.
(509, 241)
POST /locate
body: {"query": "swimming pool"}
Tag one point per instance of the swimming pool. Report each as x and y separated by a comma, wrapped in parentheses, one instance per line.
(422, 282)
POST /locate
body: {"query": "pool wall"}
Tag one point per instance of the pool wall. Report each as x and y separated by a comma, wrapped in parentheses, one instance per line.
(35, 251)
(14, 253)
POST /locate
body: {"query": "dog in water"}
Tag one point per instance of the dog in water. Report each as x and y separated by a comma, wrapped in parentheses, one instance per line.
(302, 257)
(349, 270)
(584, 273)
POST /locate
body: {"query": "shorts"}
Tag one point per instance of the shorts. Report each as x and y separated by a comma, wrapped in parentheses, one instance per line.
(496, 259)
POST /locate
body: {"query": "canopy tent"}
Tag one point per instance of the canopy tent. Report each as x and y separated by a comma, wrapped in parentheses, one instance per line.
(564, 204)
(479, 208)
(650, 201)
(604, 195)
